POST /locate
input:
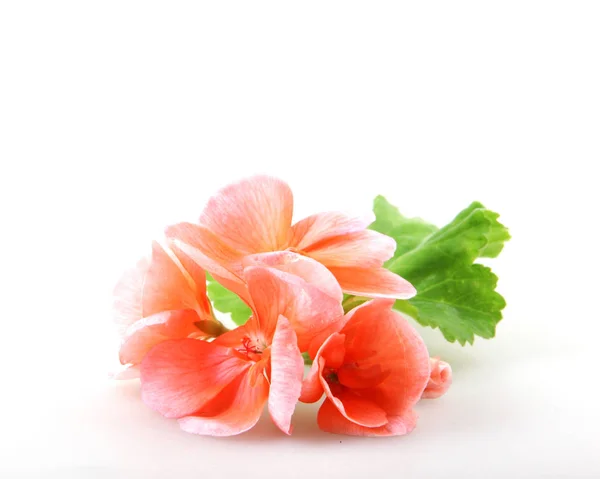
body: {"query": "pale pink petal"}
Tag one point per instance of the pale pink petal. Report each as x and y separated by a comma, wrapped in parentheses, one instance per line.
(379, 338)
(306, 268)
(373, 283)
(440, 379)
(253, 215)
(146, 333)
(206, 249)
(127, 306)
(235, 410)
(317, 227)
(330, 419)
(181, 376)
(287, 369)
(166, 287)
(309, 310)
(128, 371)
(365, 249)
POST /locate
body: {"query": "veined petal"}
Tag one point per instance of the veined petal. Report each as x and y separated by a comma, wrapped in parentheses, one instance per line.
(330, 419)
(373, 283)
(317, 227)
(365, 249)
(181, 376)
(235, 410)
(309, 310)
(166, 287)
(198, 281)
(356, 409)
(146, 333)
(206, 249)
(253, 215)
(312, 389)
(306, 268)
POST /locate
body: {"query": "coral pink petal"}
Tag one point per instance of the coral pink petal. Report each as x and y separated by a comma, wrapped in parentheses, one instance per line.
(127, 306)
(181, 376)
(317, 227)
(253, 215)
(330, 419)
(206, 249)
(166, 287)
(198, 279)
(312, 390)
(287, 369)
(373, 283)
(309, 310)
(378, 337)
(440, 379)
(306, 268)
(363, 412)
(235, 410)
(146, 333)
(365, 249)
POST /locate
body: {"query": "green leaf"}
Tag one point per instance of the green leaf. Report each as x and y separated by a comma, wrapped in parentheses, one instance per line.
(226, 301)
(453, 294)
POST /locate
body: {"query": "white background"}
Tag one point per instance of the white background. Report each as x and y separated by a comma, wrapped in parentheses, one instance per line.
(117, 118)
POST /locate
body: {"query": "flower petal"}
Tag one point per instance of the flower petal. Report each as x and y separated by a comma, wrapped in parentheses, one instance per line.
(330, 419)
(206, 249)
(312, 389)
(166, 287)
(146, 333)
(127, 306)
(309, 310)
(181, 376)
(356, 409)
(287, 369)
(373, 283)
(253, 215)
(198, 281)
(128, 371)
(365, 249)
(317, 227)
(379, 338)
(306, 268)
(235, 410)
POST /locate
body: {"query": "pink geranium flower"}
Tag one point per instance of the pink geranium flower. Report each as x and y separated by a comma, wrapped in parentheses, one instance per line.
(373, 372)
(163, 297)
(254, 216)
(221, 387)
(440, 379)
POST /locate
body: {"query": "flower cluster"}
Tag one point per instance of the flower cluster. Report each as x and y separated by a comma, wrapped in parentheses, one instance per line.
(369, 363)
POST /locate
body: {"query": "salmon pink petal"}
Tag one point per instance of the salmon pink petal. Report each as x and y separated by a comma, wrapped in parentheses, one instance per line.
(358, 410)
(180, 376)
(306, 268)
(440, 379)
(365, 249)
(127, 306)
(253, 215)
(312, 389)
(373, 283)
(206, 249)
(317, 227)
(146, 333)
(309, 310)
(287, 369)
(235, 410)
(198, 281)
(330, 419)
(378, 337)
(166, 286)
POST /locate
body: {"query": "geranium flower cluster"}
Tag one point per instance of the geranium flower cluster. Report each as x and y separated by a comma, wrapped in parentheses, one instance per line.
(369, 363)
